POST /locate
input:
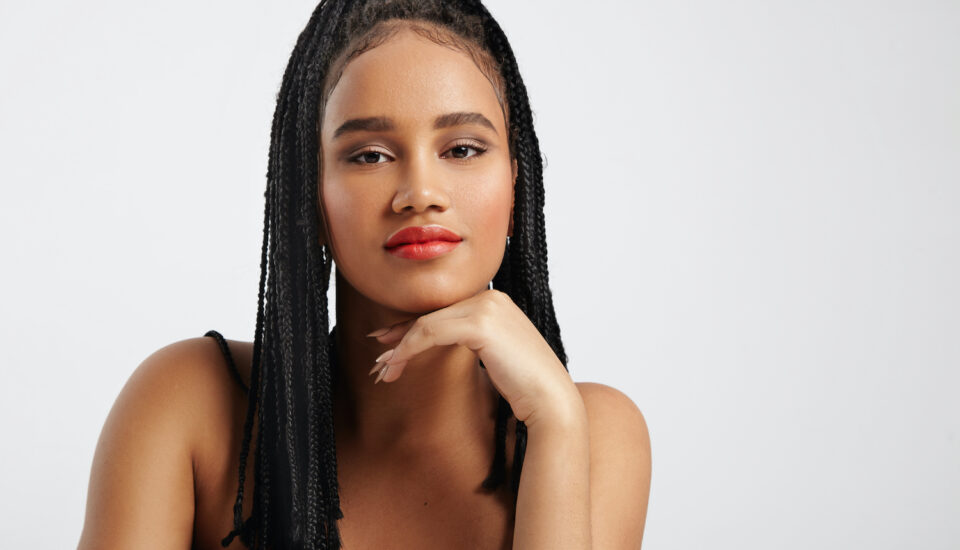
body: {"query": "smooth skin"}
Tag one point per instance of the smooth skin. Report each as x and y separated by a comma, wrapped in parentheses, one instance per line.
(164, 473)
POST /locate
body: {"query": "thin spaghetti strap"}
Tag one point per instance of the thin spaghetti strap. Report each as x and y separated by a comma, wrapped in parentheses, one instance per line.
(226, 354)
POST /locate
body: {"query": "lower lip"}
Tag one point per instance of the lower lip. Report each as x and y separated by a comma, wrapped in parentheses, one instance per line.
(423, 251)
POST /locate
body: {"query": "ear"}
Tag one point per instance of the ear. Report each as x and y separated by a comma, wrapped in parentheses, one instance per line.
(513, 195)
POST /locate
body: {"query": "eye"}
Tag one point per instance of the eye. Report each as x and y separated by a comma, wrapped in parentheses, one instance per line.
(461, 150)
(367, 157)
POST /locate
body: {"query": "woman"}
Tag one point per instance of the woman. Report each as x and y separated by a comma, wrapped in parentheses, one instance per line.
(402, 149)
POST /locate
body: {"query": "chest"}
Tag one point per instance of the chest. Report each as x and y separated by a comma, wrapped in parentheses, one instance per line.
(422, 520)
(435, 500)
(397, 508)
(424, 508)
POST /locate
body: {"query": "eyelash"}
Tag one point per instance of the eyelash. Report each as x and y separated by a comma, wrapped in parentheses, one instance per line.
(480, 150)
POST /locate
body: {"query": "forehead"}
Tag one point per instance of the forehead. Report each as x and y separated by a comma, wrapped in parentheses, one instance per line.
(410, 79)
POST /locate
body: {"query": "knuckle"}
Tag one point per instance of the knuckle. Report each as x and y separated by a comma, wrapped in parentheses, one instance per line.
(502, 297)
(424, 328)
(485, 319)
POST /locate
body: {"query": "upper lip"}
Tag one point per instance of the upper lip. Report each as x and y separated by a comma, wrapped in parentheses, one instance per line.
(421, 234)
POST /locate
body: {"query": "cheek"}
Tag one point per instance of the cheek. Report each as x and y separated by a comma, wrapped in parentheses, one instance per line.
(487, 207)
(336, 205)
(348, 219)
(490, 217)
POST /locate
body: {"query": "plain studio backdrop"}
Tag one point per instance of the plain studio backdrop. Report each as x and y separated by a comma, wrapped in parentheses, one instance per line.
(752, 214)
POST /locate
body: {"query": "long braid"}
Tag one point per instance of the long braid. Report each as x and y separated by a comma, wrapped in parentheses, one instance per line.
(288, 279)
(253, 396)
(262, 490)
(293, 376)
(322, 500)
(264, 444)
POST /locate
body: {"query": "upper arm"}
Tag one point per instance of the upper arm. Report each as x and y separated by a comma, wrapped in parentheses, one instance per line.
(141, 492)
(619, 467)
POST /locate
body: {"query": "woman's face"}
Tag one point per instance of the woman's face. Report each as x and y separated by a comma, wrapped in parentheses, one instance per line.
(413, 135)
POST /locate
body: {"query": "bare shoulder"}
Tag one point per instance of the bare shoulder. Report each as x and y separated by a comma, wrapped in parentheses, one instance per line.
(607, 403)
(616, 422)
(620, 466)
(188, 383)
(141, 490)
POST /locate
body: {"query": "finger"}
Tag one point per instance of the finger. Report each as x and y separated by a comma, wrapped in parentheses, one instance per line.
(433, 330)
(397, 331)
(394, 370)
(427, 334)
(394, 332)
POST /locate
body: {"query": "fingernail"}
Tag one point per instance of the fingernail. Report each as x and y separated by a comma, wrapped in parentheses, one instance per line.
(376, 368)
(379, 332)
(382, 373)
(385, 355)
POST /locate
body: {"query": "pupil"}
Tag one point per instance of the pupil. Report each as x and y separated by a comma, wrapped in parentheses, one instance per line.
(461, 148)
(371, 156)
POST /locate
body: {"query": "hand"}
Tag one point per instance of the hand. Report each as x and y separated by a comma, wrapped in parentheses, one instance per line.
(520, 363)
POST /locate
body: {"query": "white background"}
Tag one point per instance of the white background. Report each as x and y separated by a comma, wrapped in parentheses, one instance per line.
(752, 215)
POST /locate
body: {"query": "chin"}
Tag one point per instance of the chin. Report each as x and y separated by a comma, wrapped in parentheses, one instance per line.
(425, 294)
(419, 293)
(427, 300)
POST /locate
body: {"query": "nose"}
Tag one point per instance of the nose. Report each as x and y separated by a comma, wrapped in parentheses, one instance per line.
(421, 185)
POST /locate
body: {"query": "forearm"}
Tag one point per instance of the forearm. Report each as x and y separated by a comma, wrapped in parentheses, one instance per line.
(553, 503)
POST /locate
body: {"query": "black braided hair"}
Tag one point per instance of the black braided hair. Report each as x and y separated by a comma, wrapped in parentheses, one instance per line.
(296, 499)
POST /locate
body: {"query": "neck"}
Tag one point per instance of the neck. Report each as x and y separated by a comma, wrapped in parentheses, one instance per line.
(442, 397)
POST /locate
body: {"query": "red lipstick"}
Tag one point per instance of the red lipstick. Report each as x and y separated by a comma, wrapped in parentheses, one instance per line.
(422, 242)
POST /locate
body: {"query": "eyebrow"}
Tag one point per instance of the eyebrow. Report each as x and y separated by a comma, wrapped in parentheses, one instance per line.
(383, 124)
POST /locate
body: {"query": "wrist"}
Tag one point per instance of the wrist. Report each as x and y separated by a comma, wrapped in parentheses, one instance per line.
(562, 411)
